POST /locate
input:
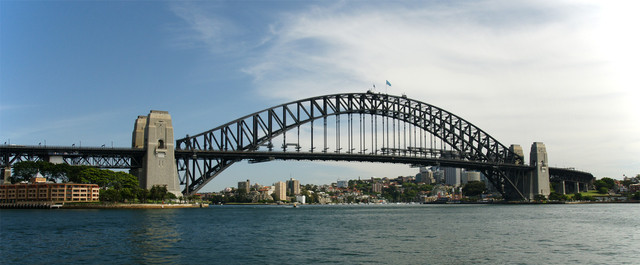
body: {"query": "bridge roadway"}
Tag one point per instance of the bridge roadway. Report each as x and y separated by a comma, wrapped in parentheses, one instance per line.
(256, 157)
(127, 158)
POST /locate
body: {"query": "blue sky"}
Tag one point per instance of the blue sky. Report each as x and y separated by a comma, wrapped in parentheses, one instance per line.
(559, 72)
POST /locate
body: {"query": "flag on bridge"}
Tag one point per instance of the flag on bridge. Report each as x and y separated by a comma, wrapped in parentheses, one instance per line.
(388, 84)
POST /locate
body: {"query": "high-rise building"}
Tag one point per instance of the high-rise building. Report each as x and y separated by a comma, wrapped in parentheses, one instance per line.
(425, 176)
(438, 174)
(376, 187)
(281, 191)
(244, 186)
(452, 176)
(293, 186)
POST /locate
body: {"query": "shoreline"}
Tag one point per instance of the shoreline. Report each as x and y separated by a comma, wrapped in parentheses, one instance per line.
(36, 205)
(101, 206)
(134, 206)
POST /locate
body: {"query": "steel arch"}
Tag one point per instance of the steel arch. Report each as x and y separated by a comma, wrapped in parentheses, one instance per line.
(249, 133)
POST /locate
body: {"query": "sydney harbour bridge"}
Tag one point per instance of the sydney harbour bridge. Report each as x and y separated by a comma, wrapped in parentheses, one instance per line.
(359, 127)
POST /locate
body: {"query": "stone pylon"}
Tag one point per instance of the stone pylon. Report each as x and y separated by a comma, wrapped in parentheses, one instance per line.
(6, 175)
(517, 149)
(154, 133)
(539, 176)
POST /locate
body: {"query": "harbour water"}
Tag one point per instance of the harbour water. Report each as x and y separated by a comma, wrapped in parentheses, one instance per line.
(338, 234)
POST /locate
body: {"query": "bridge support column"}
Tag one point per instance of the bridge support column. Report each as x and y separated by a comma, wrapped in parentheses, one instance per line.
(576, 187)
(6, 175)
(584, 186)
(560, 188)
(539, 177)
(154, 133)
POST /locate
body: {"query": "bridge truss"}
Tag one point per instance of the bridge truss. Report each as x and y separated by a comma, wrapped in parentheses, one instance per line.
(349, 127)
(102, 157)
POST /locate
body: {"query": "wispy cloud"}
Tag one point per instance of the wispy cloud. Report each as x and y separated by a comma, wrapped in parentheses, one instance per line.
(447, 49)
(203, 27)
(525, 71)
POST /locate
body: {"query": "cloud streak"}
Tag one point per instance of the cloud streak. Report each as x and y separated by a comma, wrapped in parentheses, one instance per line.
(525, 71)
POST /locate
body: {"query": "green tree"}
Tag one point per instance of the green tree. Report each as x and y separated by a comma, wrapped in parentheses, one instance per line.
(392, 194)
(473, 188)
(425, 187)
(242, 196)
(577, 196)
(110, 195)
(410, 195)
(24, 170)
(539, 198)
(636, 196)
(600, 184)
(143, 195)
(127, 194)
(608, 183)
(158, 192)
(554, 196)
(603, 190)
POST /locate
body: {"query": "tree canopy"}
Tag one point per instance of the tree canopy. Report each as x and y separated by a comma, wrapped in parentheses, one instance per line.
(473, 188)
(607, 183)
(61, 173)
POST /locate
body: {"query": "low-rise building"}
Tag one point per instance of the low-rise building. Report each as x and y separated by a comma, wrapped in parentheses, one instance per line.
(41, 192)
(343, 183)
(301, 198)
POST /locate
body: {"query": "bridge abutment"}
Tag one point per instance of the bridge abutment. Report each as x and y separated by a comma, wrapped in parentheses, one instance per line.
(154, 133)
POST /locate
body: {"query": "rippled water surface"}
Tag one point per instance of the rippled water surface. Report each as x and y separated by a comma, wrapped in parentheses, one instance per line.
(380, 234)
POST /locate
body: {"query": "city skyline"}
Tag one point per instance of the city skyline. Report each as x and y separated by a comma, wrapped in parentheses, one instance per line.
(559, 73)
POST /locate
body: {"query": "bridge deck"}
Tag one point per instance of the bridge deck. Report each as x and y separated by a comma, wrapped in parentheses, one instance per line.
(322, 156)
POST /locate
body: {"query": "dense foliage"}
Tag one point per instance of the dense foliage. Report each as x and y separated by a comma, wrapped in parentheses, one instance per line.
(607, 183)
(554, 196)
(61, 173)
(407, 192)
(473, 188)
